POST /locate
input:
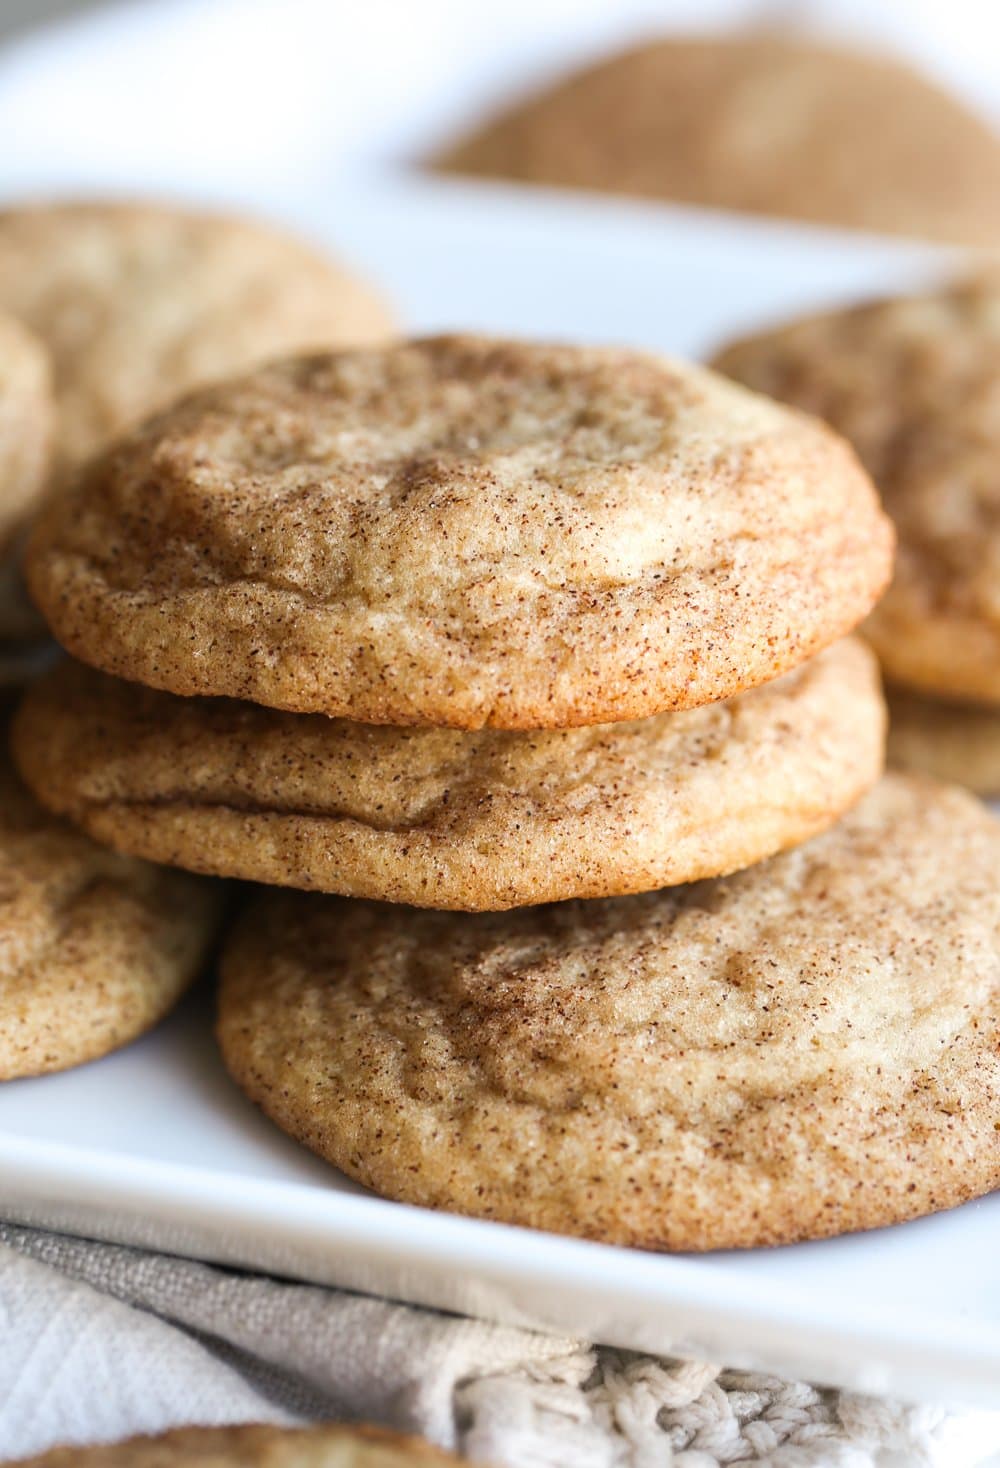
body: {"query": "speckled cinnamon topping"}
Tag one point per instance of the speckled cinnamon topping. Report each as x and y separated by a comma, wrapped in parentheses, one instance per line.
(446, 818)
(808, 1047)
(465, 532)
(914, 383)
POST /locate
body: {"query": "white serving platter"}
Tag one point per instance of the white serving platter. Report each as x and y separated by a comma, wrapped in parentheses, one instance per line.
(154, 1146)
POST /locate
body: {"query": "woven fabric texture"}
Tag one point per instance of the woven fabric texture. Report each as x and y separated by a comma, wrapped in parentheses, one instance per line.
(98, 1342)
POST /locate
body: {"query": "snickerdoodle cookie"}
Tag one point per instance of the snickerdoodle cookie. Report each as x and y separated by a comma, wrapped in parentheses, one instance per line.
(94, 947)
(809, 1047)
(954, 741)
(914, 383)
(757, 123)
(138, 303)
(255, 1445)
(465, 532)
(447, 818)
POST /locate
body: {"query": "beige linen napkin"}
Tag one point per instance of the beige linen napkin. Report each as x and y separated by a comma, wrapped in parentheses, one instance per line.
(99, 1341)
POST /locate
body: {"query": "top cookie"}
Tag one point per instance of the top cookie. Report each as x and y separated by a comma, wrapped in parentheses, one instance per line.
(25, 424)
(759, 124)
(914, 383)
(255, 1445)
(465, 532)
(137, 304)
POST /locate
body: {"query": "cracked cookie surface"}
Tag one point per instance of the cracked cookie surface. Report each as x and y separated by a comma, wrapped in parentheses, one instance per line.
(465, 532)
(809, 1047)
(95, 948)
(446, 818)
(138, 303)
(914, 384)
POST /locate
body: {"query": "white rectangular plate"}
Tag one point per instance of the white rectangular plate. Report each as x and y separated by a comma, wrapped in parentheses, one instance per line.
(154, 1146)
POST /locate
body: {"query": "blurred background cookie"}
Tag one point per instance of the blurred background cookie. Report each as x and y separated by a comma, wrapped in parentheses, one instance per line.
(139, 303)
(914, 383)
(135, 304)
(766, 124)
(954, 741)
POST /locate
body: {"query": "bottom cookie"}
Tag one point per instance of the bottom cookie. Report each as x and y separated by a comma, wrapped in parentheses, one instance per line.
(807, 1048)
(952, 741)
(95, 948)
(256, 1445)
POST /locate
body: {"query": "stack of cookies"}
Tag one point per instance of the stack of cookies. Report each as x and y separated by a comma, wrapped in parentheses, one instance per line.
(914, 383)
(536, 658)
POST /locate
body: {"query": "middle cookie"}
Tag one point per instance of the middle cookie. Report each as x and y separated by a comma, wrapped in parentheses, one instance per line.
(450, 819)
